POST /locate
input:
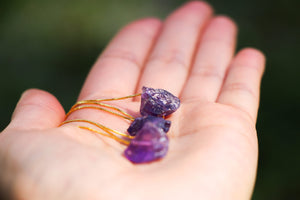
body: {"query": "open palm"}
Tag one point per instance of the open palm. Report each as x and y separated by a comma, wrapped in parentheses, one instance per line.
(213, 145)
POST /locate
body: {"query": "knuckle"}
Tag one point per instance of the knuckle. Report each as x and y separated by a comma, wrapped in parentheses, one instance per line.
(208, 72)
(173, 58)
(240, 87)
(123, 55)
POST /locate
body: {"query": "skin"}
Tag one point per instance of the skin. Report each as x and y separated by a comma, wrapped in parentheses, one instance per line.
(213, 142)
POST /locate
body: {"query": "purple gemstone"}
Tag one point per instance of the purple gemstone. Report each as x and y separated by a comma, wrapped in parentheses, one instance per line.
(158, 102)
(138, 123)
(149, 144)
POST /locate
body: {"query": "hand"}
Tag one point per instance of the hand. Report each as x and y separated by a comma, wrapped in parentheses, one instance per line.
(213, 144)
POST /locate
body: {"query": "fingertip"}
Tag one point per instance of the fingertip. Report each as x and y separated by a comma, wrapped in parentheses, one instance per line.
(254, 53)
(255, 58)
(42, 98)
(148, 25)
(221, 30)
(225, 22)
(202, 5)
(193, 8)
(37, 109)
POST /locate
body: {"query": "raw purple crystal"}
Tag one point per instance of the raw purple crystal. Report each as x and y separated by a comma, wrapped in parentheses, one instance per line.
(158, 102)
(138, 123)
(149, 144)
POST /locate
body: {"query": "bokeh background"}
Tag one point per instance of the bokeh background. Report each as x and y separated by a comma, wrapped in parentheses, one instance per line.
(51, 44)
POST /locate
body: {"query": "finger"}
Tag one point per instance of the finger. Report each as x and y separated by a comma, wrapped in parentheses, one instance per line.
(242, 84)
(169, 62)
(37, 109)
(214, 54)
(117, 70)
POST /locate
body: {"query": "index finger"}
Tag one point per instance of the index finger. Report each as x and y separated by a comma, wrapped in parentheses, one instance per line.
(117, 70)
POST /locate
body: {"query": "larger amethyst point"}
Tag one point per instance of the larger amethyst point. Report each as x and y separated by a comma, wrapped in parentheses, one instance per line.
(158, 102)
(149, 144)
(139, 122)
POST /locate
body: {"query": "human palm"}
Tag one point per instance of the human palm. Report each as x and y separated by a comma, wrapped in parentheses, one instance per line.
(213, 146)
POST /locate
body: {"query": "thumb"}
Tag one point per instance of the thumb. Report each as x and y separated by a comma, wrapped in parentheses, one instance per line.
(37, 109)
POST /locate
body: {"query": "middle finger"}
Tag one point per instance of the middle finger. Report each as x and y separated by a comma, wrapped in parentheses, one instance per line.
(170, 60)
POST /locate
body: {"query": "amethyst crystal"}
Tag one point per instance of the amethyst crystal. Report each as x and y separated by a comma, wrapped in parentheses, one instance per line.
(158, 102)
(138, 123)
(150, 143)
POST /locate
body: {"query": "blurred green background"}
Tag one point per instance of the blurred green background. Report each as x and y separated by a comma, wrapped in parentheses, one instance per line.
(51, 44)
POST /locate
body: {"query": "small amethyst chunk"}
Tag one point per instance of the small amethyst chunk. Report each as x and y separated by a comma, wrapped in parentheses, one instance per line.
(138, 123)
(158, 102)
(149, 144)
